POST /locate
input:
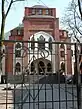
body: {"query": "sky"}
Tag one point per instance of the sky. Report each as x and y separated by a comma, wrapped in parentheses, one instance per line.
(16, 13)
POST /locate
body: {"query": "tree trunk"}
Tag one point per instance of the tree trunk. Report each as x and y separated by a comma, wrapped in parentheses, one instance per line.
(1, 44)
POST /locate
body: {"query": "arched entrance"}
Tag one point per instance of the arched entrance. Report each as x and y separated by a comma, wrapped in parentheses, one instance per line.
(41, 67)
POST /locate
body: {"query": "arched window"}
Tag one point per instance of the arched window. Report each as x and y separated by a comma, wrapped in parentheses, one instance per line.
(17, 67)
(41, 67)
(50, 43)
(32, 43)
(49, 67)
(62, 46)
(32, 67)
(63, 66)
(18, 50)
(41, 44)
(62, 50)
(18, 46)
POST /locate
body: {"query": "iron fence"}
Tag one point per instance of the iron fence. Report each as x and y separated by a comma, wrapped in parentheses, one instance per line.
(37, 75)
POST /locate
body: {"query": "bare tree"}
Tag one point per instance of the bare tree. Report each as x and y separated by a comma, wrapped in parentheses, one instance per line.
(72, 20)
(80, 7)
(5, 9)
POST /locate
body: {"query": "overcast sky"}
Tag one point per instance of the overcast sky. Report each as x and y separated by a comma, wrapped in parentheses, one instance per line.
(16, 14)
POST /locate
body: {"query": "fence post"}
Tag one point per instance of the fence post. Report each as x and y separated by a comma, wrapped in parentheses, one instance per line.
(77, 77)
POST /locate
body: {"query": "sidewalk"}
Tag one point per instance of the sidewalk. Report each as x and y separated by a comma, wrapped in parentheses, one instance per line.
(6, 98)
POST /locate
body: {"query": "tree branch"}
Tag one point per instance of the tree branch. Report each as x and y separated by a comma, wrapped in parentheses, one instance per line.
(74, 33)
(79, 4)
(3, 12)
(11, 2)
(17, 0)
(76, 22)
(9, 8)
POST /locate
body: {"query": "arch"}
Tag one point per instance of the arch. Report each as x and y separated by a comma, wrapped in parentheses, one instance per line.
(42, 33)
(41, 67)
(49, 67)
(18, 67)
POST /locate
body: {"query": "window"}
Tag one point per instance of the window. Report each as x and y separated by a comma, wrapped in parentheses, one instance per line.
(32, 43)
(17, 53)
(32, 67)
(50, 44)
(18, 46)
(63, 66)
(19, 32)
(47, 11)
(40, 12)
(3, 51)
(41, 43)
(62, 46)
(49, 67)
(71, 52)
(33, 11)
(17, 67)
(18, 50)
(62, 53)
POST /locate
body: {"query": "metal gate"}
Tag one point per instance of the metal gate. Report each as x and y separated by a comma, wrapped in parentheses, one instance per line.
(40, 77)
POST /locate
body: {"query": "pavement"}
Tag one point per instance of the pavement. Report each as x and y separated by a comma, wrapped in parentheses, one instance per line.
(6, 98)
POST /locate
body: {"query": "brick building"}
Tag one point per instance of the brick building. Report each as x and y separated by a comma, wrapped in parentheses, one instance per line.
(39, 24)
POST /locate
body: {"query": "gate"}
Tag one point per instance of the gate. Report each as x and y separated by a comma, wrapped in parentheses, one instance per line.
(44, 77)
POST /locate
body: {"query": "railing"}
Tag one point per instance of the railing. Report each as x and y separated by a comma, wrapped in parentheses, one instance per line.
(40, 75)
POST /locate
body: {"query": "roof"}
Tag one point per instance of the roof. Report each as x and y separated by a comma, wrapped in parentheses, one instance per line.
(39, 6)
(20, 26)
(7, 34)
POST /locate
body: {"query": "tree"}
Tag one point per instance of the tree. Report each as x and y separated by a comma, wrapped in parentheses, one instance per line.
(80, 7)
(72, 20)
(5, 8)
